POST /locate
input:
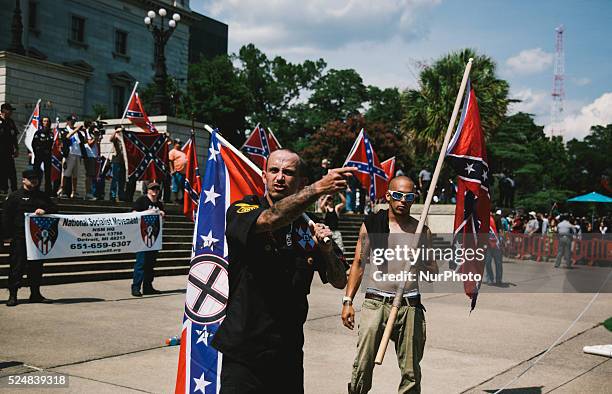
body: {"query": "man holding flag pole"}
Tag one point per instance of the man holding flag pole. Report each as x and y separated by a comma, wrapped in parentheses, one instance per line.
(254, 258)
(361, 381)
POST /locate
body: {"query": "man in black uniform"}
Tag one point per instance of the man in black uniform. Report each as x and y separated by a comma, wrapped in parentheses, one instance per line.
(9, 148)
(28, 199)
(273, 254)
(41, 145)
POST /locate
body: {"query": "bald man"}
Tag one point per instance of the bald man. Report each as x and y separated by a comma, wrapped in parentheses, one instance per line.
(273, 254)
(388, 229)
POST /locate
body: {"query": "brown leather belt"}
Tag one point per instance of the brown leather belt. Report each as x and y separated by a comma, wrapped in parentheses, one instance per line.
(406, 301)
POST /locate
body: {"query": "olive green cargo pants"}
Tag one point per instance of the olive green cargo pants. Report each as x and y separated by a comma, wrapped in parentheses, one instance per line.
(409, 333)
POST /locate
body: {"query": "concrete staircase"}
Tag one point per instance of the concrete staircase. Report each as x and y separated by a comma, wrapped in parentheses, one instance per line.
(173, 259)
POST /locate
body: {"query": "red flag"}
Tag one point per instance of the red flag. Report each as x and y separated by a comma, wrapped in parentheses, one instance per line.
(369, 170)
(137, 115)
(193, 185)
(259, 145)
(146, 155)
(389, 167)
(56, 154)
(467, 153)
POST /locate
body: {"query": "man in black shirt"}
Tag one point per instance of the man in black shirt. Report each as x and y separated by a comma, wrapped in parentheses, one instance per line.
(28, 199)
(273, 253)
(41, 145)
(9, 148)
(145, 261)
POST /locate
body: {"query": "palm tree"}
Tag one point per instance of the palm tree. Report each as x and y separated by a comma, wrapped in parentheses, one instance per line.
(429, 108)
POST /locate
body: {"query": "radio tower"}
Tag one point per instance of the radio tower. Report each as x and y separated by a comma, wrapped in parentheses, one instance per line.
(558, 91)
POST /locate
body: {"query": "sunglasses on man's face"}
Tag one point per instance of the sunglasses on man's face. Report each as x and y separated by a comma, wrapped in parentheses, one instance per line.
(398, 196)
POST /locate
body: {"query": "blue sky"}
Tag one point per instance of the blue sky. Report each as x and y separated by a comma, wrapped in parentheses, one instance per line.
(385, 40)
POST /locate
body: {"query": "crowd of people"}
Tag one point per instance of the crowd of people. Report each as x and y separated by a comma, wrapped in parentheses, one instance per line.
(81, 155)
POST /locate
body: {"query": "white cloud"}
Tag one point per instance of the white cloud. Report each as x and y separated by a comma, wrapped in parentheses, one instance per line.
(535, 102)
(578, 125)
(530, 61)
(284, 24)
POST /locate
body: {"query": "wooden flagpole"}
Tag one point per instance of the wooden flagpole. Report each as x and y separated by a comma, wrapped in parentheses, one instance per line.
(432, 187)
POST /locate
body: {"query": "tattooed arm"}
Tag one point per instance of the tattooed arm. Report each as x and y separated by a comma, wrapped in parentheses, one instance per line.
(289, 208)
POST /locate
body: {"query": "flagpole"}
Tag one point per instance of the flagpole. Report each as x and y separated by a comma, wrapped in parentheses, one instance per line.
(432, 187)
(128, 103)
(29, 120)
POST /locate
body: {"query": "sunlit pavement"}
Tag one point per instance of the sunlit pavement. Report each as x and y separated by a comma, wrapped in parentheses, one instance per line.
(108, 341)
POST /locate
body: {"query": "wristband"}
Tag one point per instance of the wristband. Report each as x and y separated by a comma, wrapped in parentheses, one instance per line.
(346, 300)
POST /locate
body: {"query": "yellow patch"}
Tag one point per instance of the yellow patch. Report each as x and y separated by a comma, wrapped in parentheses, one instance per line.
(244, 208)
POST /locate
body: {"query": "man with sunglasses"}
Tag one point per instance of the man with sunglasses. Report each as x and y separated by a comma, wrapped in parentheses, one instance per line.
(388, 230)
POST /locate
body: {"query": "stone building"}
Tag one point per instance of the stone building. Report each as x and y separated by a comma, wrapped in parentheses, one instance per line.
(83, 56)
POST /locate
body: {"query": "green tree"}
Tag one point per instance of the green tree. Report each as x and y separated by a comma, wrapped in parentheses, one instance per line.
(591, 160)
(337, 95)
(385, 106)
(275, 86)
(335, 139)
(429, 108)
(218, 95)
(538, 164)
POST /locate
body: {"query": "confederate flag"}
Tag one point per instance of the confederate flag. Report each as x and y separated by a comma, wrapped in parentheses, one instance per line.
(193, 184)
(146, 155)
(468, 155)
(137, 115)
(369, 170)
(259, 145)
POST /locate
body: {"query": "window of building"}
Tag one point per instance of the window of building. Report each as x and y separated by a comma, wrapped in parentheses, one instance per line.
(118, 100)
(121, 42)
(78, 29)
(33, 15)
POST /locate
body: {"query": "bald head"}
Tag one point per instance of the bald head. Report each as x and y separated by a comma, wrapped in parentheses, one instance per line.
(283, 173)
(402, 184)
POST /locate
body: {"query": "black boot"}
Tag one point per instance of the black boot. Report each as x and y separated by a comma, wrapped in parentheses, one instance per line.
(36, 297)
(12, 300)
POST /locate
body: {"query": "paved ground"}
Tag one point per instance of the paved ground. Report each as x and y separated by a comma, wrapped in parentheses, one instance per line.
(109, 342)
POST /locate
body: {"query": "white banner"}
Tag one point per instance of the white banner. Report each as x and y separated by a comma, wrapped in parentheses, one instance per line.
(57, 236)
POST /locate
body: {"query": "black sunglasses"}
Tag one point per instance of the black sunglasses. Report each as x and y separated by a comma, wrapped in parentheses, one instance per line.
(398, 196)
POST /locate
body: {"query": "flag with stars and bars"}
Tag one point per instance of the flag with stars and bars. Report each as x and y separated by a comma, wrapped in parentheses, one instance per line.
(193, 184)
(146, 155)
(370, 172)
(228, 178)
(468, 155)
(259, 145)
(137, 115)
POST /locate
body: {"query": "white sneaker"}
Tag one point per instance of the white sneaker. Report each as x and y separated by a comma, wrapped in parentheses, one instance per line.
(89, 196)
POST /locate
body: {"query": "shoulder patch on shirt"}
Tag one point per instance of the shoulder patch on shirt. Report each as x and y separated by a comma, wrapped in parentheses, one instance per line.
(244, 208)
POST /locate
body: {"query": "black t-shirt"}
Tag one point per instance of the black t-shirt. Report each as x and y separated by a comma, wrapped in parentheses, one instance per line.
(269, 279)
(8, 138)
(20, 202)
(143, 203)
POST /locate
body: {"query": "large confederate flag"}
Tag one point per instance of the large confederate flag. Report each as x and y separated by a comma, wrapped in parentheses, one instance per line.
(468, 155)
(146, 155)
